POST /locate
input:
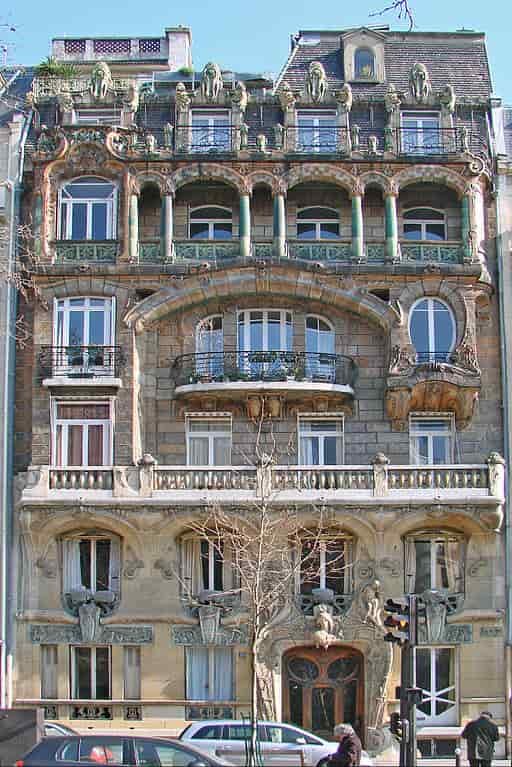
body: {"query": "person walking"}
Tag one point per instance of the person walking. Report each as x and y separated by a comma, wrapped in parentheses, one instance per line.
(349, 749)
(481, 735)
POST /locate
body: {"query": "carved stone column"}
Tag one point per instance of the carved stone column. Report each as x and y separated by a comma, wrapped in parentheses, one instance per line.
(133, 227)
(167, 226)
(279, 225)
(472, 225)
(357, 227)
(391, 227)
(244, 226)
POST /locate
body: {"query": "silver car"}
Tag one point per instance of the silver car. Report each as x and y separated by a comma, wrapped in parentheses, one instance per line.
(282, 745)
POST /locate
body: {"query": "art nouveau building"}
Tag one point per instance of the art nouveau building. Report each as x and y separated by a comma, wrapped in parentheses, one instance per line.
(232, 266)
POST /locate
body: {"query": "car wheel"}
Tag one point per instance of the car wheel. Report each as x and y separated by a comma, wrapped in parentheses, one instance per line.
(323, 763)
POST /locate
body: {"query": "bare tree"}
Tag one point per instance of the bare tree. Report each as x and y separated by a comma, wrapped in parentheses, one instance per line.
(401, 8)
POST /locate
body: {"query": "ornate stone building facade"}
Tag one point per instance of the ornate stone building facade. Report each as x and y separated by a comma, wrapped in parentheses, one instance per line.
(233, 267)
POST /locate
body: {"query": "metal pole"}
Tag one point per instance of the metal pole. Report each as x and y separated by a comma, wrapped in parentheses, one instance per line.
(411, 702)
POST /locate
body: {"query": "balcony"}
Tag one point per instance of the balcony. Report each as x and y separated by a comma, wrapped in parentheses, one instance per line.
(210, 251)
(445, 252)
(151, 252)
(81, 365)
(328, 250)
(435, 142)
(86, 251)
(278, 375)
(378, 485)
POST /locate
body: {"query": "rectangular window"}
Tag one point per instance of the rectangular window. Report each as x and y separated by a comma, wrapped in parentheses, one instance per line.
(321, 441)
(98, 116)
(326, 565)
(132, 676)
(210, 132)
(435, 675)
(208, 441)
(206, 565)
(434, 563)
(90, 673)
(317, 132)
(49, 671)
(91, 563)
(87, 210)
(431, 440)
(83, 327)
(209, 673)
(420, 133)
(82, 434)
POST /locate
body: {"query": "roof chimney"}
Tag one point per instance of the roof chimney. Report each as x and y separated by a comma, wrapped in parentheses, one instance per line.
(179, 40)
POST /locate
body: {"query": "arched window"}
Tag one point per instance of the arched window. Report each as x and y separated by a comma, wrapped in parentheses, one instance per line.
(432, 330)
(364, 64)
(207, 565)
(424, 224)
(210, 347)
(211, 222)
(87, 210)
(320, 361)
(326, 562)
(318, 224)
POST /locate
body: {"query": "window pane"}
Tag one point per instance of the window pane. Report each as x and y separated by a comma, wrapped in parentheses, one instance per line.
(210, 212)
(443, 330)
(222, 231)
(102, 565)
(424, 214)
(198, 451)
(309, 567)
(440, 452)
(49, 671)
(222, 451)
(419, 331)
(412, 231)
(197, 673)
(423, 565)
(332, 452)
(97, 328)
(76, 328)
(364, 63)
(329, 231)
(85, 563)
(102, 673)
(444, 679)
(306, 231)
(423, 676)
(171, 756)
(199, 231)
(79, 221)
(132, 673)
(335, 564)
(99, 221)
(95, 448)
(318, 213)
(75, 454)
(435, 231)
(83, 672)
(218, 561)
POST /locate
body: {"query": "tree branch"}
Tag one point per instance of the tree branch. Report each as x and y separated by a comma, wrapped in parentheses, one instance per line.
(402, 8)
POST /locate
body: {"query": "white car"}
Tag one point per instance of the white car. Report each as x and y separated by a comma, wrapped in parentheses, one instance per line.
(281, 745)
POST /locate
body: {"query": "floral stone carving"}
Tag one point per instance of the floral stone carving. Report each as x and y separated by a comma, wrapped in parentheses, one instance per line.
(316, 82)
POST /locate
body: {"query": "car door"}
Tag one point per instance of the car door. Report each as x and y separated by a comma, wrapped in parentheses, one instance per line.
(150, 753)
(111, 750)
(208, 739)
(286, 746)
(236, 743)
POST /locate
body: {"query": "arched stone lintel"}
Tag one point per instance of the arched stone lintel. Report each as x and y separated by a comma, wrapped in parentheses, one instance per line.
(422, 174)
(278, 281)
(438, 520)
(310, 172)
(189, 174)
(85, 285)
(153, 178)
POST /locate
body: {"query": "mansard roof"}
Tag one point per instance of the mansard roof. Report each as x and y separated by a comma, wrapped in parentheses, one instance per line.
(458, 58)
(18, 82)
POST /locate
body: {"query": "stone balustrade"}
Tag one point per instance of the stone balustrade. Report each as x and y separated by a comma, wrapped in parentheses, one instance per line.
(78, 478)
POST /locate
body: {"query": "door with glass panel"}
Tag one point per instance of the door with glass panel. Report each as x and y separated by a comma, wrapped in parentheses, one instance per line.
(82, 434)
(317, 132)
(320, 441)
(322, 688)
(208, 441)
(210, 348)
(210, 132)
(84, 334)
(265, 339)
(87, 210)
(420, 133)
(320, 360)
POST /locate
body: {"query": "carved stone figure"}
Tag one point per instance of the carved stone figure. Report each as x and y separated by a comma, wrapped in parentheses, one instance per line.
(464, 138)
(316, 82)
(435, 615)
(168, 131)
(89, 619)
(324, 634)
(286, 97)
(131, 98)
(209, 621)
(447, 99)
(46, 143)
(211, 82)
(65, 101)
(344, 97)
(355, 131)
(101, 81)
(419, 82)
(244, 135)
(371, 603)
(182, 98)
(239, 96)
(465, 356)
(392, 100)
(373, 145)
(401, 360)
(150, 143)
(279, 135)
(261, 142)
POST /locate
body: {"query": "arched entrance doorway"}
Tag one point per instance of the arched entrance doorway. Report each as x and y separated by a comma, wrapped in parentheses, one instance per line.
(322, 688)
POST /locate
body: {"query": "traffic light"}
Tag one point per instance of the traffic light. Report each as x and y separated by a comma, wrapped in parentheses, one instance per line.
(395, 724)
(397, 621)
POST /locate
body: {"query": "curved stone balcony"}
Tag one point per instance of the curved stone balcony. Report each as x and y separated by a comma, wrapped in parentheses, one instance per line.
(277, 375)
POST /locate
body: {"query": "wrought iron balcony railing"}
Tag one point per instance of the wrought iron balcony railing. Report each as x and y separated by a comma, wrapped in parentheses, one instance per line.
(324, 139)
(432, 252)
(261, 366)
(423, 142)
(81, 361)
(74, 251)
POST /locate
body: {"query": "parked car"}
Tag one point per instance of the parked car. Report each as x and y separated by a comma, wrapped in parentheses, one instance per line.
(55, 728)
(116, 751)
(281, 745)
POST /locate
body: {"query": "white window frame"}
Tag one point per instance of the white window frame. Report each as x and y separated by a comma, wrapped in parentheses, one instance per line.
(108, 431)
(66, 203)
(430, 314)
(63, 307)
(212, 222)
(335, 417)
(423, 223)
(318, 222)
(323, 569)
(246, 324)
(319, 120)
(209, 435)
(211, 671)
(419, 131)
(451, 716)
(360, 77)
(100, 116)
(114, 568)
(74, 679)
(417, 418)
(215, 120)
(433, 538)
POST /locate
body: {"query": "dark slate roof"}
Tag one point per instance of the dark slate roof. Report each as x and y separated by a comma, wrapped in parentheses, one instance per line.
(13, 98)
(456, 58)
(507, 127)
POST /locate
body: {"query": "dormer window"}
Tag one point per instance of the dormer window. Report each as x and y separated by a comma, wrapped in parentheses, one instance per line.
(364, 64)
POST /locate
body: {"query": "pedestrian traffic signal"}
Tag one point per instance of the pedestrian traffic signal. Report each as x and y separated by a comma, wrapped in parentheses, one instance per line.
(398, 621)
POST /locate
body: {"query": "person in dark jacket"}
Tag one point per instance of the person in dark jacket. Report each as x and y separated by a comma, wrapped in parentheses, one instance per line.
(481, 735)
(349, 749)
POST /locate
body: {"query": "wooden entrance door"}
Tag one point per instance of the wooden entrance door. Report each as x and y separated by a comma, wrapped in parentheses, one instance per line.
(323, 688)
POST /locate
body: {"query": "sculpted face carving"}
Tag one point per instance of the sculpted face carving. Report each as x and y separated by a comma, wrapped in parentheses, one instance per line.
(419, 82)
(211, 82)
(316, 83)
(101, 81)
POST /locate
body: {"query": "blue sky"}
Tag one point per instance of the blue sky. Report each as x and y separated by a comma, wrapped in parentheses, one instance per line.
(248, 35)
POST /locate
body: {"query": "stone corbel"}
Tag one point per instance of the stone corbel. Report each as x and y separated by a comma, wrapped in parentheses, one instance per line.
(315, 89)
(343, 108)
(288, 101)
(130, 105)
(183, 118)
(239, 135)
(392, 102)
